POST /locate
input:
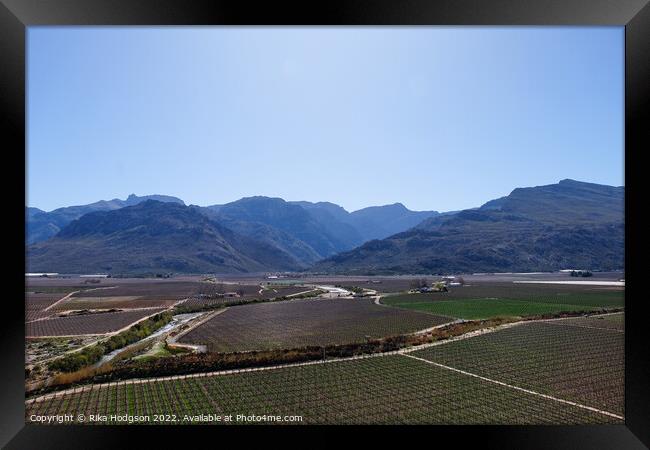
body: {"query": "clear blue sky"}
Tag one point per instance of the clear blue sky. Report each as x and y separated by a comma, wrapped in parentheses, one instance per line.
(437, 118)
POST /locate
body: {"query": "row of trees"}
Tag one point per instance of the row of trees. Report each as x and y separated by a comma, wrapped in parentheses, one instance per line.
(422, 283)
(92, 354)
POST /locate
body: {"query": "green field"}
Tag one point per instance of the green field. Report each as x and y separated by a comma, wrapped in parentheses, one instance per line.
(392, 389)
(481, 302)
(483, 309)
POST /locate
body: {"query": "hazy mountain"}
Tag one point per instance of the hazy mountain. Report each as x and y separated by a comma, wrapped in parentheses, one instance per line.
(324, 228)
(375, 222)
(134, 199)
(304, 232)
(564, 225)
(31, 212)
(335, 211)
(153, 236)
(300, 251)
(335, 219)
(378, 222)
(41, 225)
(323, 237)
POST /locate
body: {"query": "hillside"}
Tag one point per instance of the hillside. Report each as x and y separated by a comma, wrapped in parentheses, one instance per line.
(564, 225)
(313, 231)
(307, 232)
(153, 237)
(299, 250)
(286, 217)
(378, 222)
(374, 222)
(41, 225)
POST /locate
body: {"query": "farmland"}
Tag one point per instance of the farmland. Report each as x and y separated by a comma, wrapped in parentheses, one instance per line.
(490, 300)
(549, 293)
(63, 289)
(35, 305)
(272, 291)
(280, 357)
(181, 289)
(379, 284)
(251, 293)
(611, 322)
(135, 294)
(485, 308)
(86, 324)
(109, 302)
(377, 390)
(555, 358)
(165, 290)
(300, 323)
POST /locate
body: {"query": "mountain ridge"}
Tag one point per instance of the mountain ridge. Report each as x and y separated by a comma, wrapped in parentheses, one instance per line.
(566, 224)
(153, 236)
(41, 225)
(541, 228)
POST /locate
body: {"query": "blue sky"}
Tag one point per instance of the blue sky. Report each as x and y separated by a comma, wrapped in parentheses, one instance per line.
(438, 118)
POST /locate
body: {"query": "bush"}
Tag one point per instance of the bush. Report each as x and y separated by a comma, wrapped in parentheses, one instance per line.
(355, 289)
(75, 361)
(581, 273)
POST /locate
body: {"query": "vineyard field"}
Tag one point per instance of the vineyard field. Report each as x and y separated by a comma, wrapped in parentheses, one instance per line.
(585, 365)
(109, 302)
(299, 323)
(153, 290)
(610, 322)
(87, 323)
(250, 295)
(35, 305)
(377, 390)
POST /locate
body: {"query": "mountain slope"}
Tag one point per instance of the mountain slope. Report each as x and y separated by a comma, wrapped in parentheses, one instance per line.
(565, 225)
(374, 222)
(292, 219)
(378, 222)
(41, 225)
(306, 231)
(335, 221)
(153, 237)
(304, 255)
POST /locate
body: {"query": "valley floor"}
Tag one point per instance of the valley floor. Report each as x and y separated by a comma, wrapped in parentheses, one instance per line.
(464, 381)
(521, 360)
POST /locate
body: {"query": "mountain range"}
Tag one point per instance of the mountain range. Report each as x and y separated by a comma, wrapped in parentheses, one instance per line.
(41, 225)
(153, 236)
(563, 225)
(545, 228)
(79, 238)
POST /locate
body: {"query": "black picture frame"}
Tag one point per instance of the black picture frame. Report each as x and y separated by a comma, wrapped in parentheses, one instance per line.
(16, 15)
